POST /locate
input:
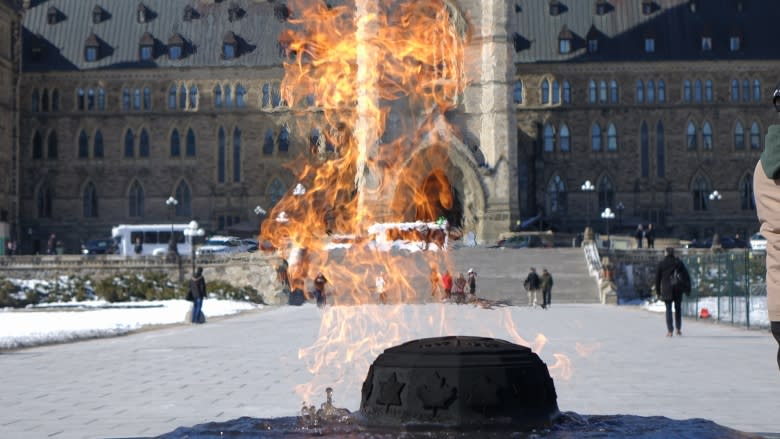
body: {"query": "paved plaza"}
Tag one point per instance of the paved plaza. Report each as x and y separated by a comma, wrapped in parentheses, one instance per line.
(152, 382)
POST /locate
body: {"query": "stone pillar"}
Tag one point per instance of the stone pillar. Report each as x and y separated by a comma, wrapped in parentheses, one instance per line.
(489, 111)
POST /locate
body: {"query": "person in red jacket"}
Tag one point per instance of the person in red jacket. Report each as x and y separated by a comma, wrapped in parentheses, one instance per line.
(446, 282)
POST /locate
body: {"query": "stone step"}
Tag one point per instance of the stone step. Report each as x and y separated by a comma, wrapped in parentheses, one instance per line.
(501, 272)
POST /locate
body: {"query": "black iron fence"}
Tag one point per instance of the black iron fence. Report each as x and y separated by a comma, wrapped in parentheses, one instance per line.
(728, 287)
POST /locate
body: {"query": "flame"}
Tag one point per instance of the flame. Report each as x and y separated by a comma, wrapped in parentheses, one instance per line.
(586, 350)
(562, 368)
(349, 70)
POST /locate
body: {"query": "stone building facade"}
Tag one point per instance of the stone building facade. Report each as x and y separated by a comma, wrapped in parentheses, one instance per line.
(9, 66)
(124, 104)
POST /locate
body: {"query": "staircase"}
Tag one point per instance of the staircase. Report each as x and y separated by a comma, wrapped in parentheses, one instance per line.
(501, 273)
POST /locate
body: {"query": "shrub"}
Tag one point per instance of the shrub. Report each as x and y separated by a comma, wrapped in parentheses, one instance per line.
(223, 290)
(9, 294)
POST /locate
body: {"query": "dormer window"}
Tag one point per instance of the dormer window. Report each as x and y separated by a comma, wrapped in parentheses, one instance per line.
(601, 7)
(734, 43)
(52, 15)
(91, 48)
(706, 39)
(146, 47)
(593, 40)
(229, 46)
(175, 47)
(649, 39)
(647, 7)
(36, 48)
(234, 12)
(649, 44)
(706, 44)
(97, 14)
(556, 8)
(735, 40)
(190, 13)
(142, 14)
(564, 40)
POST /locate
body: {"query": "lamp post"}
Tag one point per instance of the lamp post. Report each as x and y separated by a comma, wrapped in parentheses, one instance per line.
(588, 187)
(608, 214)
(715, 196)
(619, 209)
(172, 248)
(193, 231)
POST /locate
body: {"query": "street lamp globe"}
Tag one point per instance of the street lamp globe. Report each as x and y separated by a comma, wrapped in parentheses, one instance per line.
(715, 195)
(193, 231)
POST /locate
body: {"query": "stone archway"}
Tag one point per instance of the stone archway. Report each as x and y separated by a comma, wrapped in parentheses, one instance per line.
(441, 179)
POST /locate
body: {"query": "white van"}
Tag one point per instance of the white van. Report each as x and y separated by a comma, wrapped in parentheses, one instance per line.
(154, 238)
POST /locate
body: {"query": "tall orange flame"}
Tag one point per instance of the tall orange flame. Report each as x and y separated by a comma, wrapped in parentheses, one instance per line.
(350, 70)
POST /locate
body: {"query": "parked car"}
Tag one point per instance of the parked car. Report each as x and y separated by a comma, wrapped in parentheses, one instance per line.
(758, 242)
(251, 245)
(520, 241)
(726, 242)
(219, 244)
(103, 246)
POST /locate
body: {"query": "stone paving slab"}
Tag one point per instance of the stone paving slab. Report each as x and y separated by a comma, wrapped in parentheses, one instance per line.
(152, 382)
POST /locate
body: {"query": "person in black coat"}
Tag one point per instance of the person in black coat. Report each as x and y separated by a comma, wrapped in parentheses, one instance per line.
(669, 293)
(198, 293)
(650, 236)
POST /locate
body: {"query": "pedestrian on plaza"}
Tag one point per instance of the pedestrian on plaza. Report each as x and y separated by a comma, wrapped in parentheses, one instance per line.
(9, 248)
(138, 248)
(51, 245)
(531, 284)
(671, 281)
(319, 289)
(639, 235)
(472, 281)
(196, 295)
(446, 283)
(297, 296)
(435, 280)
(282, 274)
(546, 284)
(459, 288)
(766, 188)
(650, 236)
(379, 284)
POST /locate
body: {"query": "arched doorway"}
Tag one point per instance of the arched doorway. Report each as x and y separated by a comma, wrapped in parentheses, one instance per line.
(439, 199)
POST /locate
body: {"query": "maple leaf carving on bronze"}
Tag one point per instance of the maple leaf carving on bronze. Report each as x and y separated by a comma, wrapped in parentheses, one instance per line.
(484, 394)
(390, 392)
(437, 394)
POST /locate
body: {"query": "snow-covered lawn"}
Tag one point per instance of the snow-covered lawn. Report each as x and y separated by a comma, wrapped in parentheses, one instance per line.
(758, 310)
(81, 320)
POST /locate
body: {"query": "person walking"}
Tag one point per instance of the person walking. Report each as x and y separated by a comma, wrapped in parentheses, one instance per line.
(459, 288)
(197, 294)
(546, 284)
(435, 280)
(319, 289)
(639, 235)
(138, 248)
(472, 281)
(51, 245)
(446, 283)
(379, 284)
(670, 289)
(531, 284)
(297, 297)
(766, 187)
(650, 236)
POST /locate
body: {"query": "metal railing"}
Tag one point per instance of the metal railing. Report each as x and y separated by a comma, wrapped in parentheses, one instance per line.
(727, 287)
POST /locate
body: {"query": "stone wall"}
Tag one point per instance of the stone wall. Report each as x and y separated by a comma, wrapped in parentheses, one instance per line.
(256, 270)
